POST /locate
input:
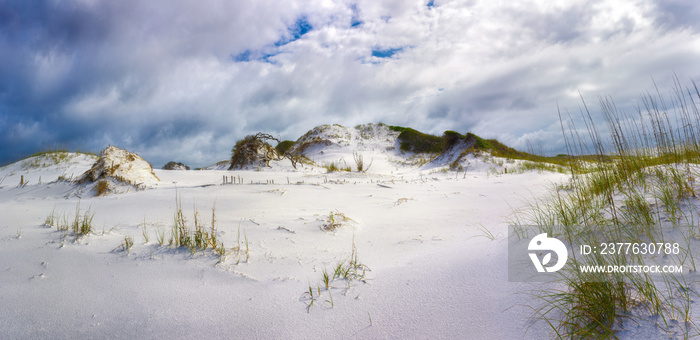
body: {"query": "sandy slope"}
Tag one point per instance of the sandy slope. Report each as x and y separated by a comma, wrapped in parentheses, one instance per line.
(433, 273)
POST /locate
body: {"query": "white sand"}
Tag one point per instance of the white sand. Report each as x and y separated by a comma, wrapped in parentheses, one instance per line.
(433, 273)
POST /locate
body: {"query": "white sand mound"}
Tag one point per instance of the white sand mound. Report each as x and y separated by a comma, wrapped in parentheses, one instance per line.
(327, 144)
(118, 171)
(45, 168)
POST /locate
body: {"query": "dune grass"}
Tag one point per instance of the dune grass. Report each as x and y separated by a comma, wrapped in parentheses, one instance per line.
(199, 237)
(127, 244)
(335, 220)
(335, 167)
(52, 154)
(347, 271)
(77, 225)
(640, 188)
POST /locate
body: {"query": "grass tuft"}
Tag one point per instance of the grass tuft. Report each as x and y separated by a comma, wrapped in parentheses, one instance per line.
(347, 271)
(333, 167)
(640, 185)
(201, 237)
(79, 225)
(128, 243)
(334, 221)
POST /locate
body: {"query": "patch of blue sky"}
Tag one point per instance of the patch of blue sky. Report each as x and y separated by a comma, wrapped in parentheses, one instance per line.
(250, 55)
(300, 27)
(294, 32)
(355, 19)
(244, 56)
(385, 53)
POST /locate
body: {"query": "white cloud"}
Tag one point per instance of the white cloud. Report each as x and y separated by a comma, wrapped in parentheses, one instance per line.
(160, 73)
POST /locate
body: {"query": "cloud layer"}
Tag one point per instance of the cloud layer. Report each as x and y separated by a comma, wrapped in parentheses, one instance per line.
(183, 80)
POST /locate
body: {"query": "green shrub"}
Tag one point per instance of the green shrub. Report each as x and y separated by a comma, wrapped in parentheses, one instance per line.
(452, 138)
(172, 165)
(415, 141)
(283, 146)
(253, 150)
(395, 128)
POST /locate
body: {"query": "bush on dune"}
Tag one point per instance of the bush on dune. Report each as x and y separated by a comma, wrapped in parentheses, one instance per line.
(414, 141)
(253, 150)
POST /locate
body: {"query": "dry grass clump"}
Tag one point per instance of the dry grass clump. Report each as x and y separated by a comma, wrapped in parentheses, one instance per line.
(360, 162)
(102, 187)
(127, 244)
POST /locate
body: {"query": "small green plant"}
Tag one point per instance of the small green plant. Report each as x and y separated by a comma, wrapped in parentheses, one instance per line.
(311, 296)
(333, 167)
(247, 250)
(128, 243)
(326, 279)
(220, 250)
(160, 237)
(334, 221)
(144, 231)
(51, 219)
(347, 270)
(238, 250)
(486, 233)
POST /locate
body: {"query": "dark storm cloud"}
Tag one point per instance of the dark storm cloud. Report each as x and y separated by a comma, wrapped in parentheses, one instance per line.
(57, 55)
(674, 14)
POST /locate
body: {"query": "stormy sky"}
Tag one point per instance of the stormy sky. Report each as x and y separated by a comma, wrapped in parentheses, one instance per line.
(183, 80)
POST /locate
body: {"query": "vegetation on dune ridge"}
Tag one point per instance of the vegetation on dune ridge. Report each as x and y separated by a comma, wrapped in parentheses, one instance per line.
(48, 158)
(56, 153)
(253, 150)
(284, 146)
(256, 151)
(411, 140)
(172, 165)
